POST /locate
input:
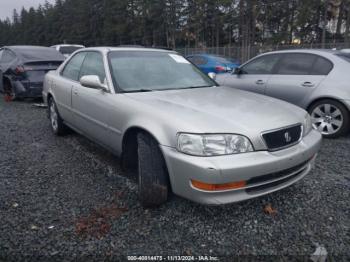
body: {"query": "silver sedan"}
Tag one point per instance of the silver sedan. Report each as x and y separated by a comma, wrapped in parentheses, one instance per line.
(177, 128)
(316, 80)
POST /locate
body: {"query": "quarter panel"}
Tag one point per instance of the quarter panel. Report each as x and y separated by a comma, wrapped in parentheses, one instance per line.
(335, 86)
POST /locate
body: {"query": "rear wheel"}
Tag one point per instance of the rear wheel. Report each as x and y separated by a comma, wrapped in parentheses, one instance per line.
(57, 125)
(152, 172)
(330, 117)
(10, 94)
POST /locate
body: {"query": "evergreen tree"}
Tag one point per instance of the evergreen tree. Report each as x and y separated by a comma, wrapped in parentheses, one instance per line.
(177, 23)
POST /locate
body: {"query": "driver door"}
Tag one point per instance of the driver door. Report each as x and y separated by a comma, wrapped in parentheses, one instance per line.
(254, 75)
(89, 104)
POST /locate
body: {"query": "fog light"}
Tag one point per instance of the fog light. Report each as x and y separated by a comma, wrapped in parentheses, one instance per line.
(218, 187)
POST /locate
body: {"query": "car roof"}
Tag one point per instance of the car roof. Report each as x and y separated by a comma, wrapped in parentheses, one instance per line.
(110, 48)
(205, 55)
(306, 51)
(212, 56)
(64, 45)
(28, 48)
(29, 53)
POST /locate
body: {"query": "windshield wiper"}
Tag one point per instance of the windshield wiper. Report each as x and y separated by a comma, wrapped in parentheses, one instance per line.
(138, 91)
(193, 87)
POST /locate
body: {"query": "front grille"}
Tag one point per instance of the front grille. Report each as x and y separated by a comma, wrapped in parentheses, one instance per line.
(258, 189)
(283, 138)
(277, 178)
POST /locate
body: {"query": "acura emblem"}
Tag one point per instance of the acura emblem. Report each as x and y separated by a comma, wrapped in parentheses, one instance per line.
(287, 137)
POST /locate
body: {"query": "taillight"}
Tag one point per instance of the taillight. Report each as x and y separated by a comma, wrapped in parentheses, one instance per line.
(220, 68)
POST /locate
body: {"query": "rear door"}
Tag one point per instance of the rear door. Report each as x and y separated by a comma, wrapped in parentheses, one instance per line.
(254, 75)
(89, 104)
(63, 86)
(297, 75)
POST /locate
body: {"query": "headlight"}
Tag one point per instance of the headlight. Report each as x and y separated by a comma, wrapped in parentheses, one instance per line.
(307, 126)
(213, 145)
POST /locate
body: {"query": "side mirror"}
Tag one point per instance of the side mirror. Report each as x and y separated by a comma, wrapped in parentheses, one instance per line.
(237, 71)
(93, 81)
(212, 75)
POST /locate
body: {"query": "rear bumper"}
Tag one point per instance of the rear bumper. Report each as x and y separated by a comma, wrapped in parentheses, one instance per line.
(26, 89)
(264, 172)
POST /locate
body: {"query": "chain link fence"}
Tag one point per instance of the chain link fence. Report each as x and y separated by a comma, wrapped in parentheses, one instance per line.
(245, 53)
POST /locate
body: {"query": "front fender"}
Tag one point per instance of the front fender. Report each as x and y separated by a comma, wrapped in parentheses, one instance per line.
(163, 133)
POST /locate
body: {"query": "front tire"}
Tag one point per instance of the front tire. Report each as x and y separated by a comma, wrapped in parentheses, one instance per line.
(152, 172)
(330, 117)
(57, 125)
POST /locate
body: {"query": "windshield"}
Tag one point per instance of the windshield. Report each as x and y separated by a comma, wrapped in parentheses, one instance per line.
(67, 50)
(345, 56)
(134, 71)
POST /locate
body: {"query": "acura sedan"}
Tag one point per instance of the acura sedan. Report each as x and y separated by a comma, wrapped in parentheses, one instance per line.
(177, 128)
(316, 80)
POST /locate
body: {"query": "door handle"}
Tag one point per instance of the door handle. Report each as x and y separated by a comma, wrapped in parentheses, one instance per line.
(308, 84)
(260, 82)
(75, 91)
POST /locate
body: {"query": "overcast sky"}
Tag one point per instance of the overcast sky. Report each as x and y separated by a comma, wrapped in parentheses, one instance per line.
(7, 6)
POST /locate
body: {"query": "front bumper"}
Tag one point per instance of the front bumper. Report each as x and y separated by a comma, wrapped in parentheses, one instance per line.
(264, 171)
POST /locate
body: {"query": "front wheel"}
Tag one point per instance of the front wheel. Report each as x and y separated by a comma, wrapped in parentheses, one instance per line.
(152, 172)
(57, 125)
(330, 118)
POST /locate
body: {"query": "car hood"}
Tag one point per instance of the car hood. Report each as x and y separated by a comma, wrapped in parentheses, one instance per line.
(220, 110)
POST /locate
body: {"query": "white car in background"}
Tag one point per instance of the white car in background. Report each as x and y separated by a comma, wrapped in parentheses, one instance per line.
(347, 50)
(66, 49)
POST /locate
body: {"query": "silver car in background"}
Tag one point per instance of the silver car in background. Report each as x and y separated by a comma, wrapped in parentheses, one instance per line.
(316, 80)
(67, 49)
(177, 128)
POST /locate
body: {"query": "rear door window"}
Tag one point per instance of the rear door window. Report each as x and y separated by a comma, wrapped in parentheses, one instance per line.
(72, 68)
(263, 65)
(296, 64)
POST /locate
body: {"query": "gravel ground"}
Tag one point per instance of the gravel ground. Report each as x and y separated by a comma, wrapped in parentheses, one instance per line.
(67, 198)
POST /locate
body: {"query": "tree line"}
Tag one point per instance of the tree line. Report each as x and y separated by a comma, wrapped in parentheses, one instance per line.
(179, 23)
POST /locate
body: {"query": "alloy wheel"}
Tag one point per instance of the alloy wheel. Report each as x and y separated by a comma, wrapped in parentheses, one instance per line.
(327, 119)
(53, 116)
